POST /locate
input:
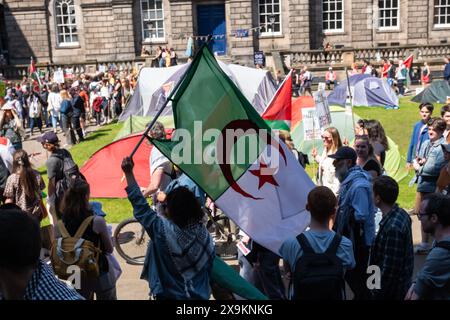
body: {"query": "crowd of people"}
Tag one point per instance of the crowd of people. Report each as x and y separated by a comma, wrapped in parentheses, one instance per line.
(397, 76)
(356, 222)
(67, 107)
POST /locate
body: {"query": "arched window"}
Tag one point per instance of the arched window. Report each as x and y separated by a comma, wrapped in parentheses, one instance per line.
(66, 25)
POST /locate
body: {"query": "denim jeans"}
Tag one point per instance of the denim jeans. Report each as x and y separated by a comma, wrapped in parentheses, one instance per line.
(76, 125)
(54, 118)
(35, 121)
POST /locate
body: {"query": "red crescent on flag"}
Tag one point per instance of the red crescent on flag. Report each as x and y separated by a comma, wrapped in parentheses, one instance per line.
(224, 163)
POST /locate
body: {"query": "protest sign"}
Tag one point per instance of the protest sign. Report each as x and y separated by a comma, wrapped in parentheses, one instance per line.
(322, 109)
(58, 76)
(311, 128)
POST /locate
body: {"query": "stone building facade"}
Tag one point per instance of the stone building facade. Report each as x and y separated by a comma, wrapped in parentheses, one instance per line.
(83, 31)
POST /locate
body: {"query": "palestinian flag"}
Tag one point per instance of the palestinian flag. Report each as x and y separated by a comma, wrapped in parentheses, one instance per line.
(408, 64)
(278, 113)
(219, 143)
(33, 74)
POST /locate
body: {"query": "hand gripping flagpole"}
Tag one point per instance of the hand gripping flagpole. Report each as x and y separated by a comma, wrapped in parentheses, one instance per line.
(145, 134)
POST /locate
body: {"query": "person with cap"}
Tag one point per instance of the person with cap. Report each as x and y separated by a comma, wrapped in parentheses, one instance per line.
(55, 169)
(355, 217)
(443, 182)
(330, 78)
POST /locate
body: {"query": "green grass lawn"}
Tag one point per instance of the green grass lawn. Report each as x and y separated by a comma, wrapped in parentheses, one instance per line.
(116, 209)
(398, 125)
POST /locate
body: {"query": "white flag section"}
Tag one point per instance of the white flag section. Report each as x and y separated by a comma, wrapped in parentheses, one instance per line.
(279, 210)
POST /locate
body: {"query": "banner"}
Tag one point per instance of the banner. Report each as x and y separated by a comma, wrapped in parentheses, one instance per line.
(322, 109)
(311, 128)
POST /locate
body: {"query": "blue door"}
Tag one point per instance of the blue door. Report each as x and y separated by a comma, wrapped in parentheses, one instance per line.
(211, 20)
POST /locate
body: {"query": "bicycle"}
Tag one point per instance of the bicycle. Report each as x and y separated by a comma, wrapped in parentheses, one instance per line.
(131, 241)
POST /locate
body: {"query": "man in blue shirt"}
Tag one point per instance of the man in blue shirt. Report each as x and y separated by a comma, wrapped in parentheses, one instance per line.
(355, 218)
(420, 132)
(322, 206)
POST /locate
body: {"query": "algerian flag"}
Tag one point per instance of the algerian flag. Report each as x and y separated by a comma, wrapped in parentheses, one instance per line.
(278, 113)
(267, 204)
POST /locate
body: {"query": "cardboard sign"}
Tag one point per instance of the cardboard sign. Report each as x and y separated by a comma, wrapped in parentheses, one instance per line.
(311, 128)
(322, 109)
(58, 76)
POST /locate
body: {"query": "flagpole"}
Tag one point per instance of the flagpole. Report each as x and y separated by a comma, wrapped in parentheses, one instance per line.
(145, 134)
(351, 98)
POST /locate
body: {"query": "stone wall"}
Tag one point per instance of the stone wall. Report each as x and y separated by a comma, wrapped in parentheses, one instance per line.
(27, 31)
(240, 16)
(298, 24)
(181, 18)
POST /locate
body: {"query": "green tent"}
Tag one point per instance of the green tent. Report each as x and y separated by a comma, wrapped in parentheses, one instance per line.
(436, 92)
(135, 124)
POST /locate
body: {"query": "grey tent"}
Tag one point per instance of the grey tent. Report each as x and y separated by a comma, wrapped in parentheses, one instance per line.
(436, 92)
(367, 91)
(155, 84)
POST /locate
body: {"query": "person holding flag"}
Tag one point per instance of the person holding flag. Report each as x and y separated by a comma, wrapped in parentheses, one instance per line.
(401, 75)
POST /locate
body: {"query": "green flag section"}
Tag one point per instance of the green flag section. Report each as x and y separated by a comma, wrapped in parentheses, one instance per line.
(136, 124)
(278, 113)
(226, 277)
(222, 143)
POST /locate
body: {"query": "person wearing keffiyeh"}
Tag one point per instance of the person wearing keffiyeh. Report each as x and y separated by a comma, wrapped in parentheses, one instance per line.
(179, 261)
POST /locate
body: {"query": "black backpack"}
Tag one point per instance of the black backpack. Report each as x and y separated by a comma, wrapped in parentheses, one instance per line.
(319, 276)
(70, 174)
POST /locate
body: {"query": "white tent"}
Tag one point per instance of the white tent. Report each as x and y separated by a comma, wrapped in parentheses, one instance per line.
(155, 84)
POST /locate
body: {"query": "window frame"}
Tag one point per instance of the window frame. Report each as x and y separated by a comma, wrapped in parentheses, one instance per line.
(155, 10)
(437, 14)
(59, 17)
(383, 28)
(342, 11)
(267, 25)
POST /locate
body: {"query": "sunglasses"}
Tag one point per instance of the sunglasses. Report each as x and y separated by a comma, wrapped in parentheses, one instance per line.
(326, 138)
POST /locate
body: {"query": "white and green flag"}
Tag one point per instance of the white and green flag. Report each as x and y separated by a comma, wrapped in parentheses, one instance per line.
(222, 143)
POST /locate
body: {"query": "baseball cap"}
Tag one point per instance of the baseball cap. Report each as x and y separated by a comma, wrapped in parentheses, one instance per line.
(48, 137)
(344, 153)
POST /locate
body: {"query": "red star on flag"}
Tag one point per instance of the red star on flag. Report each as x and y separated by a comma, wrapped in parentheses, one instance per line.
(263, 178)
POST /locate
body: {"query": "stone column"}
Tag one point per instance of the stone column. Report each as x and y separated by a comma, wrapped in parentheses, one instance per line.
(181, 17)
(123, 29)
(299, 24)
(239, 16)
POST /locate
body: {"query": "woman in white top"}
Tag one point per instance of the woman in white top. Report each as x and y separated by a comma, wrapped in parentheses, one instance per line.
(54, 105)
(325, 175)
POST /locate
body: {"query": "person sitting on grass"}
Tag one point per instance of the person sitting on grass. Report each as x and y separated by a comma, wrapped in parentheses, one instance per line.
(179, 261)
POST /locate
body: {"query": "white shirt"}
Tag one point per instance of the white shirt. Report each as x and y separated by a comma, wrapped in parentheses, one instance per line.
(54, 102)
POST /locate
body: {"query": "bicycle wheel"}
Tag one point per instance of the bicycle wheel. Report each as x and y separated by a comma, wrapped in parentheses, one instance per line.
(131, 241)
